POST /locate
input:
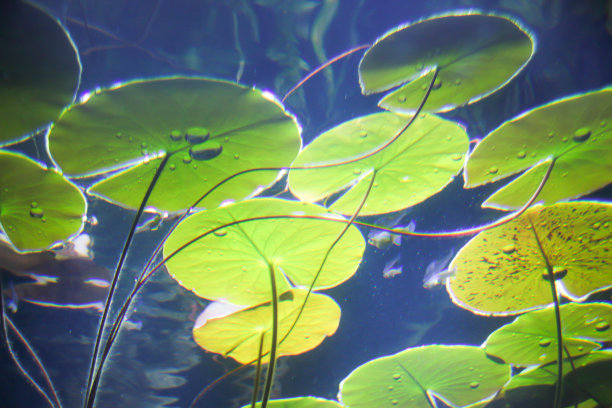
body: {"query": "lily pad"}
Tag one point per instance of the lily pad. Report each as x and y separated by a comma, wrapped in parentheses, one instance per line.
(502, 271)
(38, 207)
(474, 54)
(459, 375)
(40, 69)
(234, 262)
(575, 131)
(418, 164)
(532, 339)
(210, 129)
(300, 402)
(238, 335)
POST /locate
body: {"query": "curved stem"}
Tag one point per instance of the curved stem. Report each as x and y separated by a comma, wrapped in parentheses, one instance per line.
(94, 375)
(257, 371)
(272, 362)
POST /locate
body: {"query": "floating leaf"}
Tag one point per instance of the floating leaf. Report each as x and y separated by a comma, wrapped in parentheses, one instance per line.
(300, 402)
(418, 164)
(238, 335)
(502, 270)
(475, 55)
(532, 337)
(234, 262)
(40, 69)
(38, 207)
(459, 375)
(575, 131)
(210, 129)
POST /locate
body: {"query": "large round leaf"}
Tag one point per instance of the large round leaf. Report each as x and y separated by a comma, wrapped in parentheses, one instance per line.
(532, 337)
(474, 55)
(576, 131)
(211, 129)
(503, 271)
(234, 262)
(460, 375)
(39, 68)
(418, 164)
(38, 207)
(238, 335)
(300, 402)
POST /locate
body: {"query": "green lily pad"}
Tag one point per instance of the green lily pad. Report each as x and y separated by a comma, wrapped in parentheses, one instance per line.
(38, 207)
(233, 263)
(418, 164)
(532, 339)
(40, 70)
(238, 335)
(210, 129)
(300, 402)
(459, 375)
(502, 271)
(575, 131)
(474, 54)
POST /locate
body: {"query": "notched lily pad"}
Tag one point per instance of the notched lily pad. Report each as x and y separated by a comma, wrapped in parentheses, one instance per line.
(502, 271)
(532, 338)
(233, 262)
(459, 375)
(38, 207)
(210, 129)
(39, 69)
(576, 131)
(474, 54)
(238, 335)
(418, 164)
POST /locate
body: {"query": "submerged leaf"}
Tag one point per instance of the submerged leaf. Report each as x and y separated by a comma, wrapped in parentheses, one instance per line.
(38, 207)
(210, 129)
(238, 335)
(459, 375)
(532, 338)
(474, 54)
(418, 164)
(40, 69)
(502, 271)
(299, 402)
(234, 263)
(575, 131)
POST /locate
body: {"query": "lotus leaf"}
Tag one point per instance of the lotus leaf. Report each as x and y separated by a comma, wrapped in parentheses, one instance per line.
(38, 207)
(459, 375)
(532, 339)
(502, 271)
(40, 69)
(418, 164)
(300, 402)
(233, 263)
(210, 129)
(474, 55)
(575, 131)
(238, 335)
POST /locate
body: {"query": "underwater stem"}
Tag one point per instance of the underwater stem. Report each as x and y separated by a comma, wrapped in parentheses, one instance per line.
(93, 381)
(553, 287)
(272, 364)
(257, 371)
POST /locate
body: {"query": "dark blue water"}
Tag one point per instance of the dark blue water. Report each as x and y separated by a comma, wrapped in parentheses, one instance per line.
(124, 40)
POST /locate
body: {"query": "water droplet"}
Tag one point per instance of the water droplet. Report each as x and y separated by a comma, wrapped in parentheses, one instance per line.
(118, 135)
(206, 152)
(397, 376)
(244, 269)
(551, 135)
(196, 135)
(458, 81)
(36, 212)
(602, 326)
(143, 145)
(437, 83)
(493, 170)
(580, 348)
(356, 171)
(172, 167)
(470, 368)
(603, 123)
(176, 135)
(186, 159)
(34, 204)
(582, 134)
(564, 139)
(436, 170)
(236, 156)
(220, 232)
(394, 402)
(363, 134)
(456, 157)
(508, 249)
(226, 139)
(521, 154)
(390, 388)
(130, 139)
(474, 384)
(544, 342)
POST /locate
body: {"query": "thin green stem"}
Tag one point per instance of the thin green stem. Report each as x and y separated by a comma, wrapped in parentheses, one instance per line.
(257, 371)
(272, 362)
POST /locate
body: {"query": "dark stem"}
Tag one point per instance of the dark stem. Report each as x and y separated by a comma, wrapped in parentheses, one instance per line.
(553, 288)
(257, 371)
(272, 363)
(94, 375)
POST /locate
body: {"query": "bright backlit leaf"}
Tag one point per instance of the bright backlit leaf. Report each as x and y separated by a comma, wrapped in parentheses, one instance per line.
(300, 402)
(503, 271)
(418, 164)
(474, 54)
